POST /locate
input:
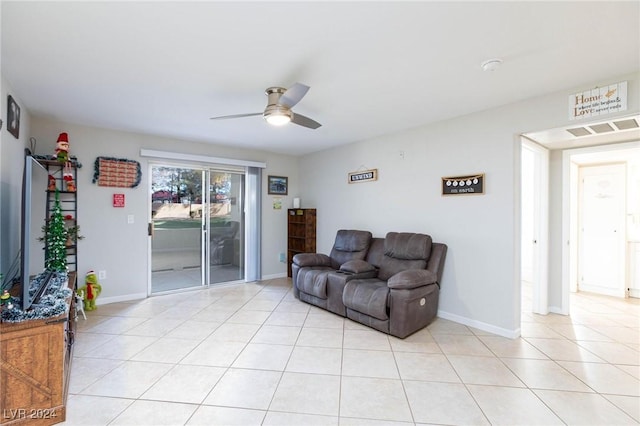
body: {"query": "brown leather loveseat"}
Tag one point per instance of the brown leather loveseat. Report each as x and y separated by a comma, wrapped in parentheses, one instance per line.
(391, 284)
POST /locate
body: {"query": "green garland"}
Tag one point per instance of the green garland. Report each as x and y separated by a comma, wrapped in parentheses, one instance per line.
(51, 304)
(96, 169)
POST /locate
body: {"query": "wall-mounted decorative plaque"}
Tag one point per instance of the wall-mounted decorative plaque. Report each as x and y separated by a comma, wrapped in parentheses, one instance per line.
(116, 172)
(363, 176)
(463, 185)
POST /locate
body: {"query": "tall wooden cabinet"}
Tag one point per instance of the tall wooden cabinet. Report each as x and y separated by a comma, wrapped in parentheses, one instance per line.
(301, 233)
(35, 363)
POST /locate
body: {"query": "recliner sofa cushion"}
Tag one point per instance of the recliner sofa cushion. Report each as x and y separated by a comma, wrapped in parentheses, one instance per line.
(412, 278)
(357, 267)
(311, 259)
(349, 245)
(313, 281)
(367, 296)
(404, 251)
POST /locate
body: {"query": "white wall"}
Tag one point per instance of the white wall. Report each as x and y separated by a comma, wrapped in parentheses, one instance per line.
(121, 249)
(481, 284)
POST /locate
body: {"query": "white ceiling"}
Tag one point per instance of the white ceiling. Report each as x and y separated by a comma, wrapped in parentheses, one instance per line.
(374, 68)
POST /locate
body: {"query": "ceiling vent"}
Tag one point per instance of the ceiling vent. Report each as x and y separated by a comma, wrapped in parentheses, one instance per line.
(602, 128)
(579, 131)
(626, 124)
(606, 127)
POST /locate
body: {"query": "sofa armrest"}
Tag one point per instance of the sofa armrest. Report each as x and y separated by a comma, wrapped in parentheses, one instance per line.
(311, 259)
(357, 267)
(412, 278)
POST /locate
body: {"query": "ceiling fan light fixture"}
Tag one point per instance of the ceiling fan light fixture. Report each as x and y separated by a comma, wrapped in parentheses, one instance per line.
(277, 115)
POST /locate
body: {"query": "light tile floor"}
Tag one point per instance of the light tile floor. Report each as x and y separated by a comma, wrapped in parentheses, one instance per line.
(251, 354)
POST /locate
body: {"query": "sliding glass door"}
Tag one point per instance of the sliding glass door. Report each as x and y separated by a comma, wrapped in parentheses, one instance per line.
(226, 227)
(177, 227)
(197, 227)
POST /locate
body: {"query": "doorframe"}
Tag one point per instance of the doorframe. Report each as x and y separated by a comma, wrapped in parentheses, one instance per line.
(570, 215)
(540, 284)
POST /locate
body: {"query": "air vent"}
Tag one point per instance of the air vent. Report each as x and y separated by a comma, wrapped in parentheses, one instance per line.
(579, 131)
(626, 124)
(602, 128)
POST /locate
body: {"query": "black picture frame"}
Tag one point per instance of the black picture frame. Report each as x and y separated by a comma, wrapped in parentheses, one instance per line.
(277, 185)
(463, 185)
(13, 117)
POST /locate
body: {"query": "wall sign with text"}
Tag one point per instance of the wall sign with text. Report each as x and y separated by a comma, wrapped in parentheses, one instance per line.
(463, 185)
(363, 176)
(118, 200)
(598, 101)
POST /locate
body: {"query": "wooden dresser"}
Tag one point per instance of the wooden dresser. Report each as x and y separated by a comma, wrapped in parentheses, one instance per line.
(35, 362)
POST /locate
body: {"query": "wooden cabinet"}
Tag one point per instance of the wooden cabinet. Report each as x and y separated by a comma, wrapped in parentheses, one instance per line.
(301, 233)
(35, 362)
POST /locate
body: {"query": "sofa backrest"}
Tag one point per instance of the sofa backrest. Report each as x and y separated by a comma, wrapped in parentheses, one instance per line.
(349, 245)
(436, 260)
(402, 251)
(376, 252)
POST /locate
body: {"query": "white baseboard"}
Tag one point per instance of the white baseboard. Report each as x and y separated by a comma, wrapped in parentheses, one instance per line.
(123, 298)
(620, 292)
(511, 334)
(274, 276)
(557, 310)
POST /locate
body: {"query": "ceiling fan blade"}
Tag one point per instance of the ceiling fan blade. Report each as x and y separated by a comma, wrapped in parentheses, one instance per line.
(293, 95)
(224, 117)
(303, 121)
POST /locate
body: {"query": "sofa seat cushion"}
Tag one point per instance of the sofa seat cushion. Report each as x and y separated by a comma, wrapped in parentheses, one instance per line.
(313, 280)
(368, 296)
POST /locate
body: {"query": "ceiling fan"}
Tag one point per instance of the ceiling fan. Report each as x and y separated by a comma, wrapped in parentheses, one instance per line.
(279, 103)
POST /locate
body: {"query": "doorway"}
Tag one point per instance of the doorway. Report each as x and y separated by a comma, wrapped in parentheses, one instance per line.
(601, 229)
(617, 142)
(197, 227)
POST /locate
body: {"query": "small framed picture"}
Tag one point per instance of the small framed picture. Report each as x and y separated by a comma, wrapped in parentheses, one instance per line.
(463, 185)
(13, 117)
(278, 185)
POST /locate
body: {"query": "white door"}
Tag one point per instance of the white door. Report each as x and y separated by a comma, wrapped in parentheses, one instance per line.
(534, 224)
(601, 251)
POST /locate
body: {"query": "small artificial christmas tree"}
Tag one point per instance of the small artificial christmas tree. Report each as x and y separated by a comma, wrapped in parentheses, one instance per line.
(56, 258)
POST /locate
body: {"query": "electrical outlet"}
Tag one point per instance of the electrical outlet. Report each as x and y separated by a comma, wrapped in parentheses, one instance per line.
(281, 257)
(102, 275)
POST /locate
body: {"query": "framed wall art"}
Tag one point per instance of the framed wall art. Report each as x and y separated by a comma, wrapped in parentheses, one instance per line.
(363, 176)
(277, 185)
(463, 185)
(13, 117)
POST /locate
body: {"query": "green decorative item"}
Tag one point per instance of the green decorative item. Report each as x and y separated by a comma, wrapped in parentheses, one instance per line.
(56, 251)
(90, 291)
